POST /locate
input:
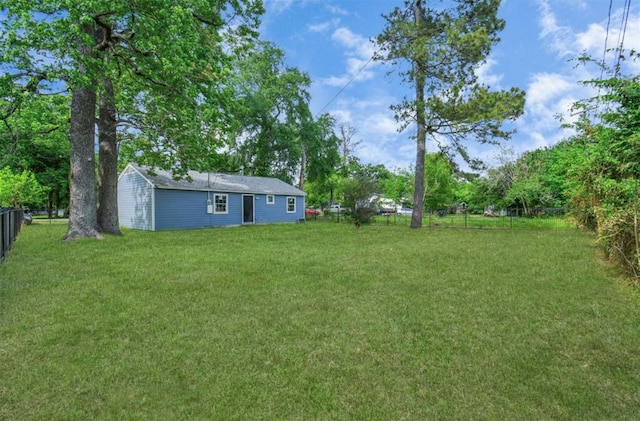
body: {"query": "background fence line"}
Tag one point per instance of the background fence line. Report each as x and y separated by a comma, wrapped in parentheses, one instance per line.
(514, 218)
(10, 224)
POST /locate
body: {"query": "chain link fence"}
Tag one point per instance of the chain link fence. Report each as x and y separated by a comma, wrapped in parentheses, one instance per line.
(514, 218)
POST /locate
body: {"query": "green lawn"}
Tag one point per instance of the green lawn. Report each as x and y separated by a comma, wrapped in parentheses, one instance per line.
(316, 322)
(509, 222)
(465, 221)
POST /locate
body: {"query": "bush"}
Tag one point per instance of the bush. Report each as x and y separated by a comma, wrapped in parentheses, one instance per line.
(359, 199)
(618, 234)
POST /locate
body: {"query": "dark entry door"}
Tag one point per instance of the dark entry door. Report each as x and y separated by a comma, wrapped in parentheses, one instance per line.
(247, 209)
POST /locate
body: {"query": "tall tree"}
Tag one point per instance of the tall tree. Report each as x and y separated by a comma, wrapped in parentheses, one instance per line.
(18, 189)
(34, 137)
(83, 221)
(107, 211)
(277, 135)
(399, 186)
(319, 150)
(348, 144)
(439, 181)
(445, 48)
(186, 95)
(89, 47)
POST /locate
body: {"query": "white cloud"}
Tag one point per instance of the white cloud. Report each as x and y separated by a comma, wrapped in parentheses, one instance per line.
(560, 39)
(337, 81)
(485, 75)
(369, 116)
(342, 115)
(360, 69)
(376, 129)
(548, 23)
(549, 95)
(552, 94)
(323, 26)
(359, 51)
(336, 10)
(632, 35)
(355, 44)
(545, 87)
(278, 6)
(382, 124)
(538, 140)
(566, 42)
(593, 39)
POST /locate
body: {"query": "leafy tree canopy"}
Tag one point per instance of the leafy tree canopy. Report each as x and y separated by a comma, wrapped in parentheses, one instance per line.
(444, 48)
(20, 189)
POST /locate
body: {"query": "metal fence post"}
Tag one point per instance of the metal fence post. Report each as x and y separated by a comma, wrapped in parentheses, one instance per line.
(10, 224)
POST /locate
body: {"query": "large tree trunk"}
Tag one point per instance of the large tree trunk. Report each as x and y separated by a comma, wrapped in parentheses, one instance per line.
(108, 162)
(82, 196)
(418, 194)
(82, 209)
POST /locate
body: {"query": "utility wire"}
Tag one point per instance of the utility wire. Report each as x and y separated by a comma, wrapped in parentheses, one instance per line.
(621, 35)
(346, 85)
(606, 41)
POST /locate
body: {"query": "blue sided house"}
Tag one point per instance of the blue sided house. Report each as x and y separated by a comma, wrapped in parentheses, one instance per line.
(154, 200)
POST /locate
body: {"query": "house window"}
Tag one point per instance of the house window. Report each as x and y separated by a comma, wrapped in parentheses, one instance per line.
(220, 203)
(271, 199)
(291, 204)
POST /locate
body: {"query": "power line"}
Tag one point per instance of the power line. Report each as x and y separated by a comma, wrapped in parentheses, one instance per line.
(346, 85)
(621, 35)
(606, 41)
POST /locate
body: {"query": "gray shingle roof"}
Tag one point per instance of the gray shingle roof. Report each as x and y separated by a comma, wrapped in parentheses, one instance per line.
(217, 182)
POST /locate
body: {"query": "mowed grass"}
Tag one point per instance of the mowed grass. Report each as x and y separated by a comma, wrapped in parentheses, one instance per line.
(506, 222)
(316, 322)
(464, 221)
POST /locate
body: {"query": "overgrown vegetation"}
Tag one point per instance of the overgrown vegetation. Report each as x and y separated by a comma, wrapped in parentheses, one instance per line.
(316, 321)
(606, 179)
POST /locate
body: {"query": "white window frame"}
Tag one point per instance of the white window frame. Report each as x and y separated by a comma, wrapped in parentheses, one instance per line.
(215, 203)
(271, 199)
(294, 204)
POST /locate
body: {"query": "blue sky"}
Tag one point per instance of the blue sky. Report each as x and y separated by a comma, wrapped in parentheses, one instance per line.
(329, 39)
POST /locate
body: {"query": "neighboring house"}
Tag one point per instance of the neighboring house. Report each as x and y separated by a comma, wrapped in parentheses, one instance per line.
(154, 200)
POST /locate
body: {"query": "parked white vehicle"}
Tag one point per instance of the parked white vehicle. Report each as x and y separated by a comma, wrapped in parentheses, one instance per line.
(386, 205)
(335, 208)
(405, 211)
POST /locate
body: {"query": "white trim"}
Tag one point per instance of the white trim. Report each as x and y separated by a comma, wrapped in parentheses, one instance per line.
(294, 204)
(226, 204)
(153, 206)
(253, 208)
(130, 166)
(273, 199)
